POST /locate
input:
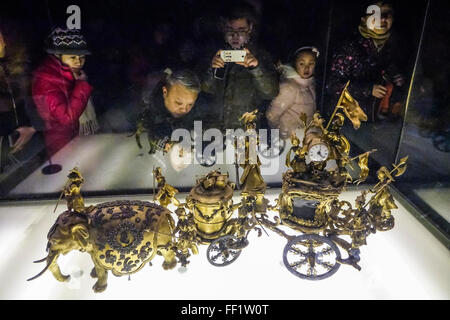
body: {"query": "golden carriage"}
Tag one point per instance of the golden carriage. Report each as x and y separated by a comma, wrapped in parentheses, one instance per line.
(308, 203)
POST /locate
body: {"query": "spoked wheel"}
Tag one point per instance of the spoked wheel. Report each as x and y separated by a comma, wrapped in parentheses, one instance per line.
(311, 257)
(224, 251)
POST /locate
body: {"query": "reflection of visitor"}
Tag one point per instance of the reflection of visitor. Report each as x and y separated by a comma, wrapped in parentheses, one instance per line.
(168, 106)
(18, 122)
(239, 87)
(61, 91)
(369, 62)
(297, 93)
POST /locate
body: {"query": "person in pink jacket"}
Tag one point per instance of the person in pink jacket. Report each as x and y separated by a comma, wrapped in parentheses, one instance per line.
(297, 93)
(60, 89)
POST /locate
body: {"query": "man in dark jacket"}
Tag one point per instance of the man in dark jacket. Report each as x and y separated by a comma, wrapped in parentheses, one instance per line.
(236, 88)
(168, 106)
(18, 121)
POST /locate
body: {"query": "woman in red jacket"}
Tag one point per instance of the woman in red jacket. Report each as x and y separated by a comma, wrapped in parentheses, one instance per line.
(60, 90)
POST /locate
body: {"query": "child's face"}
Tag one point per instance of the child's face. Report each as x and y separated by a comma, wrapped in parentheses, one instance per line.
(305, 65)
(75, 62)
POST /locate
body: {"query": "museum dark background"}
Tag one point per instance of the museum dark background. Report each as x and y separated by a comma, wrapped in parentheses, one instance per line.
(120, 34)
(123, 39)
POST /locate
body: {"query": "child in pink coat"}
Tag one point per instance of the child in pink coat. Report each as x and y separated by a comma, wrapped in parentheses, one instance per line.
(297, 93)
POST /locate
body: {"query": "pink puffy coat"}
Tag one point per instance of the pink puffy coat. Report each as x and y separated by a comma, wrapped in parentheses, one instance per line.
(296, 95)
(60, 100)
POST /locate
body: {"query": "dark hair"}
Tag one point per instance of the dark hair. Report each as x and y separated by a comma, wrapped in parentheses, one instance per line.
(310, 49)
(238, 10)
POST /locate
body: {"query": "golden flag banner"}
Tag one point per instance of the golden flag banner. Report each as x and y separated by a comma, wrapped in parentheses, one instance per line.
(363, 164)
(352, 109)
(363, 161)
(401, 167)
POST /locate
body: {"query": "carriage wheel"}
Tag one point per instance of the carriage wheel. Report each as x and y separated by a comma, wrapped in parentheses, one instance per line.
(221, 253)
(311, 257)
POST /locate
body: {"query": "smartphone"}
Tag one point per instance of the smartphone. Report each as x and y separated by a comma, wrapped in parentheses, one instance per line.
(233, 55)
(219, 73)
(13, 138)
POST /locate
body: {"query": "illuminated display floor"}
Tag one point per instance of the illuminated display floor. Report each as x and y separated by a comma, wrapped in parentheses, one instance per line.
(404, 263)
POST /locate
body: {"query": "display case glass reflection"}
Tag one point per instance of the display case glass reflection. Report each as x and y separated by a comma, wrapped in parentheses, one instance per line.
(409, 56)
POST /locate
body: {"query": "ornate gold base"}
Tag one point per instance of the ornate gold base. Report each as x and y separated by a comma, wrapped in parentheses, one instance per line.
(207, 238)
(302, 225)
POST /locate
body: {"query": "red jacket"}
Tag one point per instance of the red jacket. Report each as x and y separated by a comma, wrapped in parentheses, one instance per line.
(60, 100)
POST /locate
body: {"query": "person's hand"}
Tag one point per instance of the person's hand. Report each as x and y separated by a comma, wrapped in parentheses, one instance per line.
(79, 75)
(250, 60)
(217, 61)
(25, 134)
(2, 46)
(379, 91)
(399, 80)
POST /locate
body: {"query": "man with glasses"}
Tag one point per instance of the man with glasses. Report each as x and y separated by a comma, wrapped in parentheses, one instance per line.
(239, 87)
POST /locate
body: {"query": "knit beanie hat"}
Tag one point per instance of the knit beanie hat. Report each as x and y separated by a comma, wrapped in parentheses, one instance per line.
(67, 41)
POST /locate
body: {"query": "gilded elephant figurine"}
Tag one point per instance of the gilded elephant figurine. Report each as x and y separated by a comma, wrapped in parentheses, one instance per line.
(121, 236)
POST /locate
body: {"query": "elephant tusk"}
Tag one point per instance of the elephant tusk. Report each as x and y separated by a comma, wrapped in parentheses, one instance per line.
(42, 260)
(40, 273)
(50, 260)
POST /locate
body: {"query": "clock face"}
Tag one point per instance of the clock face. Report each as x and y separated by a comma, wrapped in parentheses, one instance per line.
(318, 152)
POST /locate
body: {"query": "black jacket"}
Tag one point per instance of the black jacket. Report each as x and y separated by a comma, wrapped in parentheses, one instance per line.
(241, 90)
(359, 61)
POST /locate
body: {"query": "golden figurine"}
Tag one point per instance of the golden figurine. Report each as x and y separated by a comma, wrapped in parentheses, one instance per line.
(298, 163)
(72, 191)
(340, 147)
(252, 182)
(187, 235)
(382, 203)
(166, 193)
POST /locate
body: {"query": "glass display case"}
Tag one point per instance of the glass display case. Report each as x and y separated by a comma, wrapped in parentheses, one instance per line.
(129, 46)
